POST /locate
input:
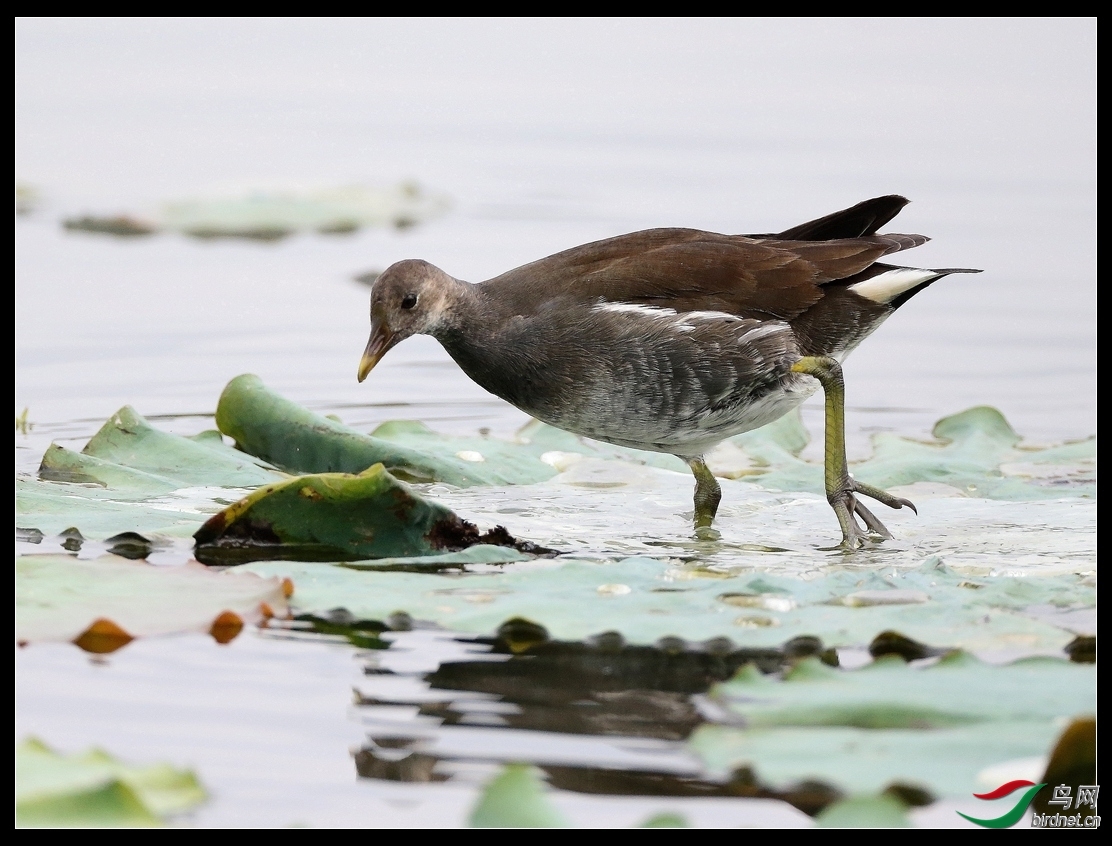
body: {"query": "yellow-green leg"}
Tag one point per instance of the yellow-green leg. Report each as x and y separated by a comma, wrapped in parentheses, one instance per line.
(841, 487)
(707, 493)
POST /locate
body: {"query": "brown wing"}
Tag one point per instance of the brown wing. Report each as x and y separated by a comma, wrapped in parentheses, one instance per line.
(689, 270)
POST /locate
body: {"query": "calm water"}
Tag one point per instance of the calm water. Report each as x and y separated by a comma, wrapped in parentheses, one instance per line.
(546, 135)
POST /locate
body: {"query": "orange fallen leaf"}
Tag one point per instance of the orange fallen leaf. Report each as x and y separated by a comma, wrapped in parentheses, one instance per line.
(102, 637)
(226, 627)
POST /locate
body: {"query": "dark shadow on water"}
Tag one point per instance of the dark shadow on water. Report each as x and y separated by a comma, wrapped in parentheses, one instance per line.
(232, 555)
(601, 687)
(339, 623)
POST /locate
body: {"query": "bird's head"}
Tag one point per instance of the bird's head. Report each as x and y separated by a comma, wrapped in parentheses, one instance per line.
(410, 298)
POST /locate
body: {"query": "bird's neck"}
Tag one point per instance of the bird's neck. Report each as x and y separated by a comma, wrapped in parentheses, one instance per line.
(473, 335)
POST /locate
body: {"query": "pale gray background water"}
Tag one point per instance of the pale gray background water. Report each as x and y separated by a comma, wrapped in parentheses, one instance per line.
(547, 134)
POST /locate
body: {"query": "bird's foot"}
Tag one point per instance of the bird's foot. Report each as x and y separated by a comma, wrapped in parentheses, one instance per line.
(706, 533)
(842, 490)
(846, 504)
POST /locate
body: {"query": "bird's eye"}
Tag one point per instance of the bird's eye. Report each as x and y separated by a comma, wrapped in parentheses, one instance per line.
(409, 301)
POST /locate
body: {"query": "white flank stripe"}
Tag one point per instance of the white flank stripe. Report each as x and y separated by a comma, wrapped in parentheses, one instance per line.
(662, 313)
(885, 287)
(709, 315)
(762, 330)
(635, 308)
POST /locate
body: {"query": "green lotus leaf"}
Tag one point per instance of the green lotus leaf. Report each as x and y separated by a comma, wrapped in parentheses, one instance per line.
(283, 433)
(369, 515)
(59, 596)
(515, 799)
(480, 553)
(134, 477)
(646, 599)
(957, 690)
(936, 727)
(271, 213)
(976, 453)
(127, 439)
(865, 812)
(95, 789)
(99, 513)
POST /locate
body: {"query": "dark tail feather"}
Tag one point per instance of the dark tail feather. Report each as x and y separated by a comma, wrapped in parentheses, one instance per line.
(941, 271)
(863, 219)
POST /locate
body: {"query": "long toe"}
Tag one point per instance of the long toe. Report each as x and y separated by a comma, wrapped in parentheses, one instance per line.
(848, 507)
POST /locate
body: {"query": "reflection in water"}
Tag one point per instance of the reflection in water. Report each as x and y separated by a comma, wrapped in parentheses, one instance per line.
(392, 764)
(533, 691)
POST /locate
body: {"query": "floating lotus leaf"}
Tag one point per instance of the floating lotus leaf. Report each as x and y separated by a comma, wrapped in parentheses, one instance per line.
(58, 596)
(645, 599)
(991, 576)
(127, 439)
(957, 690)
(865, 812)
(480, 553)
(515, 799)
(945, 762)
(95, 789)
(935, 727)
(666, 820)
(369, 515)
(535, 441)
(132, 477)
(63, 465)
(266, 214)
(977, 453)
(269, 214)
(99, 513)
(294, 438)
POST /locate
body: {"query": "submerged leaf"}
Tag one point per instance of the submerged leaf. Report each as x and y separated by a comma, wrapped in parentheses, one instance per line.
(480, 553)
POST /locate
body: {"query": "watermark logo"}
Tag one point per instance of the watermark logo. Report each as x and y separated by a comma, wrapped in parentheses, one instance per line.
(1016, 813)
(1062, 796)
(1086, 797)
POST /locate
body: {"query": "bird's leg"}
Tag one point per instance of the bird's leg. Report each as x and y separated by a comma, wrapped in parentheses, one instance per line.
(841, 487)
(707, 492)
